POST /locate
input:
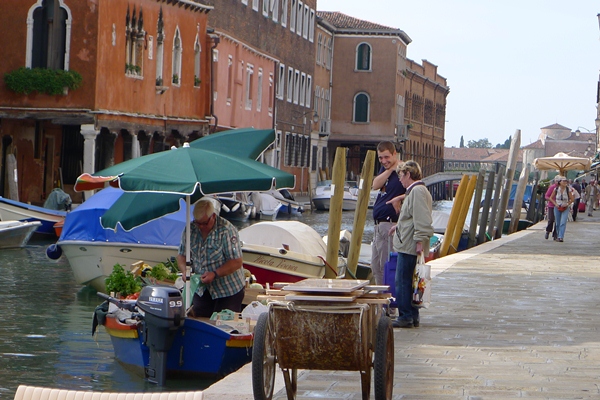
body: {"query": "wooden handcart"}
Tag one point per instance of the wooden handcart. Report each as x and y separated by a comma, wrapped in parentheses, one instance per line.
(324, 324)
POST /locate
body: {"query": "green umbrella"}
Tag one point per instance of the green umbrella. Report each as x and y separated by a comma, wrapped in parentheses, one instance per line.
(242, 142)
(159, 180)
(155, 183)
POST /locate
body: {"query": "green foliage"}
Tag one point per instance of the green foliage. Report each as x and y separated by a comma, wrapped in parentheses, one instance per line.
(543, 186)
(164, 271)
(133, 69)
(505, 145)
(42, 80)
(121, 281)
(462, 142)
(481, 144)
(197, 81)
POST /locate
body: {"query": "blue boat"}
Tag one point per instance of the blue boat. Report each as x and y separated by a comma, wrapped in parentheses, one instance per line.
(12, 210)
(152, 336)
(92, 251)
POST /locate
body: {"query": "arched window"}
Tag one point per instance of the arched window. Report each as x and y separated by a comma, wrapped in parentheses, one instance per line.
(176, 58)
(160, 48)
(363, 57)
(134, 42)
(197, 53)
(361, 107)
(48, 35)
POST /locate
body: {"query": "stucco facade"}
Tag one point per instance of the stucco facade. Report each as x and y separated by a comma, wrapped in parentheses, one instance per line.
(142, 63)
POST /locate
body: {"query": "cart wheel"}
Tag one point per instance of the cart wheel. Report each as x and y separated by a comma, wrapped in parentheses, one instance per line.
(384, 359)
(263, 359)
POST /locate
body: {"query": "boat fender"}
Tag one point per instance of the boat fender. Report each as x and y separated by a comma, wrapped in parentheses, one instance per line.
(225, 208)
(253, 212)
(53, 251)
(235, 208)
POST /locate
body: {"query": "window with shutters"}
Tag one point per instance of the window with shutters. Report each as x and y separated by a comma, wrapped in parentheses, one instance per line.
(48, 37)
(363, 57)
(361, 107)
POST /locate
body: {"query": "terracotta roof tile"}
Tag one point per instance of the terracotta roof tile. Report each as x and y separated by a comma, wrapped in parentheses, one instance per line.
(465, 154)
(555, 126)
(502, 155)
(535, 145)
(343, 21)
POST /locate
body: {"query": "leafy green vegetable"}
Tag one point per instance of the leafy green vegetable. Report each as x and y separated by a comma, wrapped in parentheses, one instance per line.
(121, 281)
(160, 272)
(164, 271)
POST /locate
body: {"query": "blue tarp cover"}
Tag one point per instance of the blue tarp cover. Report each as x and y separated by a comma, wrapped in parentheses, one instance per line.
(83, 223)
(526, 196)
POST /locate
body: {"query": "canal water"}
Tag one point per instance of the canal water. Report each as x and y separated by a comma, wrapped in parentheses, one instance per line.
(46, 324)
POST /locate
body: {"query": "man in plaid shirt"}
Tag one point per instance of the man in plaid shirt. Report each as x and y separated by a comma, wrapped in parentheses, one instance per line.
(217, 255)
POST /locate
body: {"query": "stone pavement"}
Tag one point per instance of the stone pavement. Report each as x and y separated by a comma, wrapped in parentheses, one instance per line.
(512, 318)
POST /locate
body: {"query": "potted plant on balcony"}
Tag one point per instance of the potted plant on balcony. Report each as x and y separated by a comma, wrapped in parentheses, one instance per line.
(42, 80)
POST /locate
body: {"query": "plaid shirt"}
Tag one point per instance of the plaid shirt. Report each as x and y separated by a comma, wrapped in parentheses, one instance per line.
(221, 244)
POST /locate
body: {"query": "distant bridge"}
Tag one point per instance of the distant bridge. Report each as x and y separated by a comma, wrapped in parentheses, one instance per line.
(444, 177)
(437, 186)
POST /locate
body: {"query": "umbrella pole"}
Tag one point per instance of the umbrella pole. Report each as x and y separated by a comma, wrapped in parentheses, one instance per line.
(188, 261)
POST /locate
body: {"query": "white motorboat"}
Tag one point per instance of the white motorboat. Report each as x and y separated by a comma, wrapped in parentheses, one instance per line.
(289, 205)
(93, 251)
(283, 251)
(14, 234)
(12, 210)
(323, 193)
(267, 206)
(235, 206)
(92, 262)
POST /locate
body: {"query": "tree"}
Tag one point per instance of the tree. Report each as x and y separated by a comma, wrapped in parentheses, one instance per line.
(505, 145)
(462, 142)
(480, 144)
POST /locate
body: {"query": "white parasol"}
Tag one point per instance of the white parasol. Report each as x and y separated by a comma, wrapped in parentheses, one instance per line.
(562, 162)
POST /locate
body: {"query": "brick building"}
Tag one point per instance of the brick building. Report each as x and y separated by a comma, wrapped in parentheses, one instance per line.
(279, 33)
(378, 94)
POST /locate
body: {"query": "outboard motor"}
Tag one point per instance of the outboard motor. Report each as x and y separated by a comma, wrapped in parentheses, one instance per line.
(164, 313)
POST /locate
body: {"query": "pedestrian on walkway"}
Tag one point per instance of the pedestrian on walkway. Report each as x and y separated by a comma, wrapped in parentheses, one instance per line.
(385, 215)
(561, 198)
(411, 238)
(577, 196)
(591, 195)
(550, 227)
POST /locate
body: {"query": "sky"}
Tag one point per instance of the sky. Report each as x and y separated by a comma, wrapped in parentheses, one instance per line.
(510, 64)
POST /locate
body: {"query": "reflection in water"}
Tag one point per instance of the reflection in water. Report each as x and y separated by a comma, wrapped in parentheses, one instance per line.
(45, 334)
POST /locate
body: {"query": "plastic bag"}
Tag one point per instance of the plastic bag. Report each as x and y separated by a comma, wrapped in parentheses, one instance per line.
(421, 284)
(253, 310)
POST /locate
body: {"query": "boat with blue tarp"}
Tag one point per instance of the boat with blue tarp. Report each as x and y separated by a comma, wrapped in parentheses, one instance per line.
(93, 251)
